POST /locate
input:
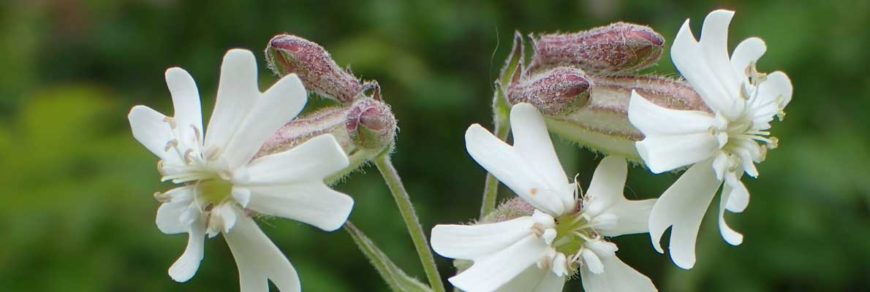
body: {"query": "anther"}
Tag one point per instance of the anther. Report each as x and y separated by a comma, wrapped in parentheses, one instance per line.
(170, 144)
(170, 121)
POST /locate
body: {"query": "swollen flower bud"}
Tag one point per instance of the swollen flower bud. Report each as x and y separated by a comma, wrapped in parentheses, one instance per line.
(364, 129)
(288, 54)
(602, 124)
(371, 124)
(618, 48)
(553, 92)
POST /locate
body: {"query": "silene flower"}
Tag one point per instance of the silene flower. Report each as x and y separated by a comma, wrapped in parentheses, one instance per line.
(562, 237)
(719, 145)
(222, 186)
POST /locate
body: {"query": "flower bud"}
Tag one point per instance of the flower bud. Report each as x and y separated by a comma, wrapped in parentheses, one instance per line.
(553, 92)
(288, 54)
(601, 124)
(371, 124)
(618, 48)
(510, 209)
(364, 129)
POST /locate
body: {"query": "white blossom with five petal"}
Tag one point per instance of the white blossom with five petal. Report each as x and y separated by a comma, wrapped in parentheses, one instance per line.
(718, 146)
(563, 235)
(223, 186)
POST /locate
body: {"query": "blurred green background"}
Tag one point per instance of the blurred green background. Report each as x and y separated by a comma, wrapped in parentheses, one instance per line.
(76, 210)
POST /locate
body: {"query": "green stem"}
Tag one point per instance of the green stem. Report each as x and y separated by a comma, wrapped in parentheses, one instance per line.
(502, 126)
(394, 182)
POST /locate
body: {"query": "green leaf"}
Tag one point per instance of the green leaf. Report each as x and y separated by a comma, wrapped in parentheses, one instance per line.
(392, 274)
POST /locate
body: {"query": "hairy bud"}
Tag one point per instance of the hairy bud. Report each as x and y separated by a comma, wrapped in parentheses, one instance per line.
(288, 54)
(602, 123)
(364, 129)
(618, 48)
(371, 124)
(510, 209)
(553, 92)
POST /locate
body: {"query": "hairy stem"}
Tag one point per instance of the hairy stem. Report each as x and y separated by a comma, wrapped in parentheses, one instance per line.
(394, 182)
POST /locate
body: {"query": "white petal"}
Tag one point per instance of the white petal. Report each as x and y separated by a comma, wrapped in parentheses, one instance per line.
(607, 184)
(185, 100)
(632, 217)
(175, 214)
(151, 129)
(697, 63)
(666, 153)
(607, 201)
(534, 279)
(551, 283)
(682, 206)
(312, 203)
(241, 195)
(237, 93)
(493, 271)
(617, 277)
(510, 168)
(186, 266)
(274, 108)
(259, 260)
(739, 195)
(714, 41)
(532, 142)
(169, 217)
(313, 160)
(777, 84)
(473, 241)
(772, 97)
(592, 262)
(652, 119)
(745, 54)
(730, 236)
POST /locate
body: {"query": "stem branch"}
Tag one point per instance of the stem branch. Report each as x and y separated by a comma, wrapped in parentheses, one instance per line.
(394, 182)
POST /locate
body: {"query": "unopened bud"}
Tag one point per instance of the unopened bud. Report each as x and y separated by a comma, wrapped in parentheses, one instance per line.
(553, 92)
(288, 54)
(371, 124)
(510, 209)
(602, 123)
(364, 129)
(618, 48)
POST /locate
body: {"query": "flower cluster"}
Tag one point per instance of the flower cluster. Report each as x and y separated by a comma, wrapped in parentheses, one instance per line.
(260, 157)
(583, 86)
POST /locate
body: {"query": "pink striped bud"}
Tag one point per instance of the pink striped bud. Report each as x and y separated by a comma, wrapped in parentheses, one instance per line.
(288, 54)
(618, 48)
(553, 92)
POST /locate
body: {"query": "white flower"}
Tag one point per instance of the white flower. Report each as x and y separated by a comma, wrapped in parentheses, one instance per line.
(720, 145)
(539, 252)
(221, 186)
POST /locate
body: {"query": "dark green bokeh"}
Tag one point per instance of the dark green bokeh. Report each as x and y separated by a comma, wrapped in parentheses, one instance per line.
(76, 211)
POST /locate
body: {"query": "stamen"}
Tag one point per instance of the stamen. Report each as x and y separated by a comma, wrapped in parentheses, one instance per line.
(170, 145)
(197, 134)
(161, 197)
(170, 121)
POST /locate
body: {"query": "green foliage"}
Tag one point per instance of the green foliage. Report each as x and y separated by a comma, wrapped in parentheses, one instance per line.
(76, 208)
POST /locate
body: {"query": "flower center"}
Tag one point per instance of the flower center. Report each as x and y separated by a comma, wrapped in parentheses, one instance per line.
(572, 232)
(213, 192)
